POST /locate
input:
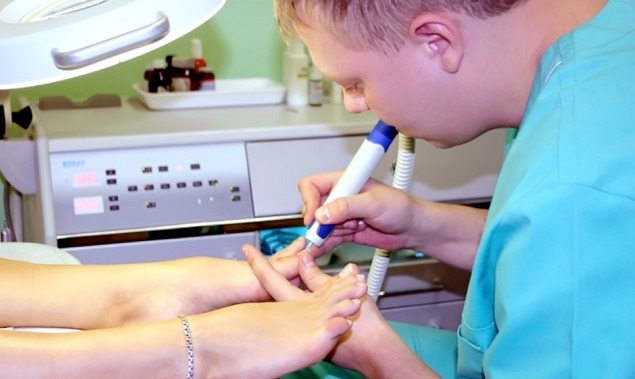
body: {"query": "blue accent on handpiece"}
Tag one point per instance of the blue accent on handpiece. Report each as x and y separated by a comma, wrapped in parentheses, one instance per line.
(382, 134)
(323, 231)
(356, 174)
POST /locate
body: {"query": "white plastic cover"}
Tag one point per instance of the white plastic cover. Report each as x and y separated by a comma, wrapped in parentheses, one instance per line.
(44, 41)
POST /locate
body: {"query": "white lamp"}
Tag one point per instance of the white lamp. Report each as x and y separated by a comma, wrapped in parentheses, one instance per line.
(45, 41)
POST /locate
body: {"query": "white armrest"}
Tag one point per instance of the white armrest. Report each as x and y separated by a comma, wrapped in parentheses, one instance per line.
(36, 253)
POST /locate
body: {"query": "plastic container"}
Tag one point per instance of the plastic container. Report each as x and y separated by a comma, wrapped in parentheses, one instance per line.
(334, 93)
(228, 93)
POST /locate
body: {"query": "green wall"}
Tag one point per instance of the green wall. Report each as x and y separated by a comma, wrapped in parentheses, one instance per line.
(241, 41)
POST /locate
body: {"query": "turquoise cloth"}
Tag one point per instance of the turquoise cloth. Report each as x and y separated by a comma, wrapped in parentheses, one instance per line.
(551, 292)
(436, 347)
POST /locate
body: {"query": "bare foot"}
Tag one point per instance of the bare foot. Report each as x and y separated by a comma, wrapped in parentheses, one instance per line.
(267, 340)
(368, 328)
(370, 340)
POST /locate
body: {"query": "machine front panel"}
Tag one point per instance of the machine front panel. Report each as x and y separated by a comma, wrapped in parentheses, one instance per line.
(127, 189)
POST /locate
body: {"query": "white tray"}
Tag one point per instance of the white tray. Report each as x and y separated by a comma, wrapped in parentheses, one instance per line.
(228, 93)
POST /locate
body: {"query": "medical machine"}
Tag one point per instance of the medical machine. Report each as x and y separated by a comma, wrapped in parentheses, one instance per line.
(127, 184)
(121, 183)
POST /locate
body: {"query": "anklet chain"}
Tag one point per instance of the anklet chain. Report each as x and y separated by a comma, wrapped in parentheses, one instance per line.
(188, 344)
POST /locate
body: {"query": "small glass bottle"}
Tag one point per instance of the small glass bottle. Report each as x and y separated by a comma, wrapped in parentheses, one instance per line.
(316, 88)
(207, 79)
(155, 76)
(184, 76)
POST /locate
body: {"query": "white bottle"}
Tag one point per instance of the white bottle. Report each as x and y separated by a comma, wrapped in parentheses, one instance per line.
(295, 72)
(196, 53)
(335, 93)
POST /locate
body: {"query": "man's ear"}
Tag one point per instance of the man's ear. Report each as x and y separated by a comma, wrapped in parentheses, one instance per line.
(441, 38)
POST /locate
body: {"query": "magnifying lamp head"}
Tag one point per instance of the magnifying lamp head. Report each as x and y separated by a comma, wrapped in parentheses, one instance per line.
(45, 43)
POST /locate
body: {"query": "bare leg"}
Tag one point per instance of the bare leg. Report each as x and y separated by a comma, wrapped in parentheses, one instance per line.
(163, 290)
(261, 340)
(267, 340)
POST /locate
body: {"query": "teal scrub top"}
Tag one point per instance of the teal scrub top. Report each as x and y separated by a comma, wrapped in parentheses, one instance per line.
(552, 292)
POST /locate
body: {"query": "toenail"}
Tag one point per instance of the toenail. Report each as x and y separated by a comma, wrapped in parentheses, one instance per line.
(346, 271)
(307, 261)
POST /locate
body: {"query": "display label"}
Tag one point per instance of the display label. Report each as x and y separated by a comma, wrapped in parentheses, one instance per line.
(88, 205)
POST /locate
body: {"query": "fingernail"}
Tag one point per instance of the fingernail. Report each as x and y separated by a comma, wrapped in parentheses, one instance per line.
(307, 260)
(323, 215)
(346, 271)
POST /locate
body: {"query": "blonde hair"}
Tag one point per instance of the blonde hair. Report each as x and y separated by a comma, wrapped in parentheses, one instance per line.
(378, 25)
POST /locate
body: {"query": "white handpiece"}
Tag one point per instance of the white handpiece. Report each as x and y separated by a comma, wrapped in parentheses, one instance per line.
(356, 175)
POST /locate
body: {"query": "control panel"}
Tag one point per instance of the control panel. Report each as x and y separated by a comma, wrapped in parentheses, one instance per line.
(126, 189)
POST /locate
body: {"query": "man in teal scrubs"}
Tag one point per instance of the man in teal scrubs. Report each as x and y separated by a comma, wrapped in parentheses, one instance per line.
(551, 292)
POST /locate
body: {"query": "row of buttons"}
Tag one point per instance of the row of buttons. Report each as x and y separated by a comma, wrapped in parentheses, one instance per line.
(149, 187)
(152, 204)
(196, 184)
(149, 169)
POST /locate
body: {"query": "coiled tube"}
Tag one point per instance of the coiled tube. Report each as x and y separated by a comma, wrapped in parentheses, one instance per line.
(404, 168)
